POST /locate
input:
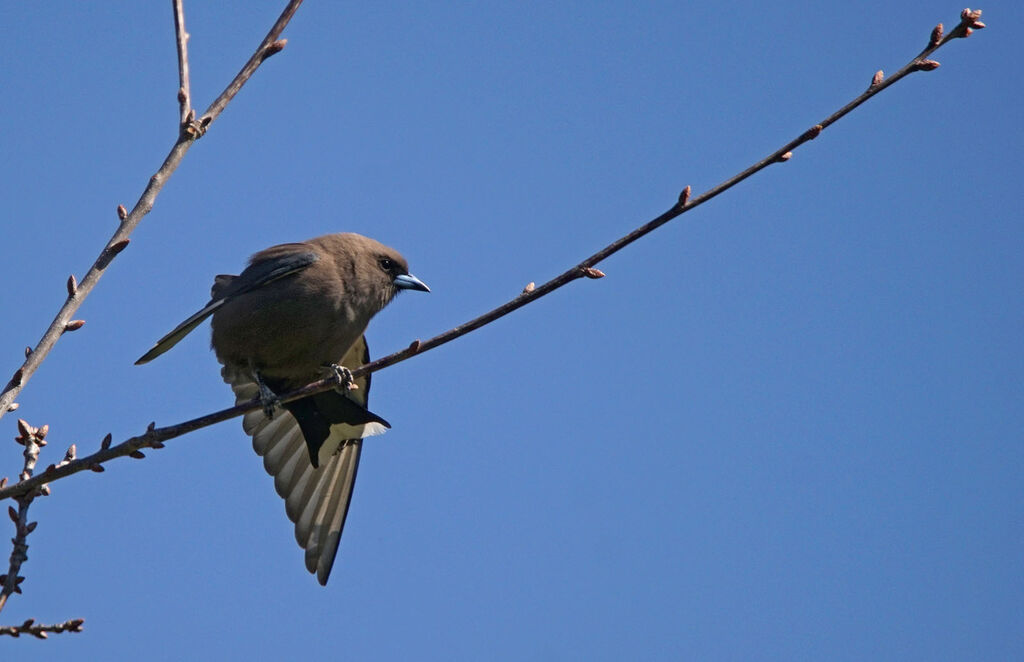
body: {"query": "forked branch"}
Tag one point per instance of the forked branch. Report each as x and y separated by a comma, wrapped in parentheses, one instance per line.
(154, 437)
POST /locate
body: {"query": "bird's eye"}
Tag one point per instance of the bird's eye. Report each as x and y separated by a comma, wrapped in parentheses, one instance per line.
(386, 264)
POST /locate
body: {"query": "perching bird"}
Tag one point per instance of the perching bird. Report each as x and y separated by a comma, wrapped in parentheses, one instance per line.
(297, 311)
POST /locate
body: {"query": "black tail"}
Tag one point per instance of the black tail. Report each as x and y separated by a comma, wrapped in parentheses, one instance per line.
(317, 413)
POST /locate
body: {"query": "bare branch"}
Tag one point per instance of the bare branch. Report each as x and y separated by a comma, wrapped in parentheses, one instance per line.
(181, 38)
(267, 47)
(154, 437)
(32, 439)
(39, 630)
(119, 241)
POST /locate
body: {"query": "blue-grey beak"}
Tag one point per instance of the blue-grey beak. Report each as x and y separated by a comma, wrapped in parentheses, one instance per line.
(410, 282)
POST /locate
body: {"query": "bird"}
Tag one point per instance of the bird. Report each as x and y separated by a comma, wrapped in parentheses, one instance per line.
(299, 311)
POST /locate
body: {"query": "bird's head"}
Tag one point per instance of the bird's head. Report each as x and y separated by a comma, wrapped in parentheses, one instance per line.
(380, 271)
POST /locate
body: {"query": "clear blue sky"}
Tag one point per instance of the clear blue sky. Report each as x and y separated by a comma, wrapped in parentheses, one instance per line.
(788, 426)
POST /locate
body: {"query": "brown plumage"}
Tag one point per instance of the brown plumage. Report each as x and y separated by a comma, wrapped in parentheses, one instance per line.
(293, 312)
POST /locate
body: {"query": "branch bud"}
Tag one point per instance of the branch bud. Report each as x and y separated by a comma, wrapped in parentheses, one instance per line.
(273, 49)
(684, 197)
(111, 252)
(24, 429)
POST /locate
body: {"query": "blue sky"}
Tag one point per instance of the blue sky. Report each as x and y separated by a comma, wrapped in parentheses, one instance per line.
(786, 426)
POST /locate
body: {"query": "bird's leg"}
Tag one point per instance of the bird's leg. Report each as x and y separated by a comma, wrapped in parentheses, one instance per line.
(268, 398)
(342, 375)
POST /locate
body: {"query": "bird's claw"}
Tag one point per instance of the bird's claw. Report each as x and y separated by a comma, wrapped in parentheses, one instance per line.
(268, 399)
(343, 376)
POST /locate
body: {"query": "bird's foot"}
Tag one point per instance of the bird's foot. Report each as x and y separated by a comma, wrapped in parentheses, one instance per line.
(268, 399)
(343, 376)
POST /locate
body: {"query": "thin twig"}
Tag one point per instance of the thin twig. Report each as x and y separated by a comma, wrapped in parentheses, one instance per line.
(32, 439)
(154, 437)
(969, 21)
(119, 241)
(181, 38)
(39, 631)
(269, 46)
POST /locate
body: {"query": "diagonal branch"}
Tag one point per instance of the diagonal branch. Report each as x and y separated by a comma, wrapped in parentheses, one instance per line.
(188, 134)
(269, 46)
(154, 437)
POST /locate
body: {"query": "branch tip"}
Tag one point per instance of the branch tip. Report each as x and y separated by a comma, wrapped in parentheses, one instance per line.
(74, 325)
(969, 18)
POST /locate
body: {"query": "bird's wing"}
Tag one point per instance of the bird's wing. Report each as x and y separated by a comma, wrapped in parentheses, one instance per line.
(316, 499)
(265, 268)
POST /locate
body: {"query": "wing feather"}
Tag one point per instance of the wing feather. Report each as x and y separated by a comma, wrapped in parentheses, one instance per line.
(265, 268)
(316, 499)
